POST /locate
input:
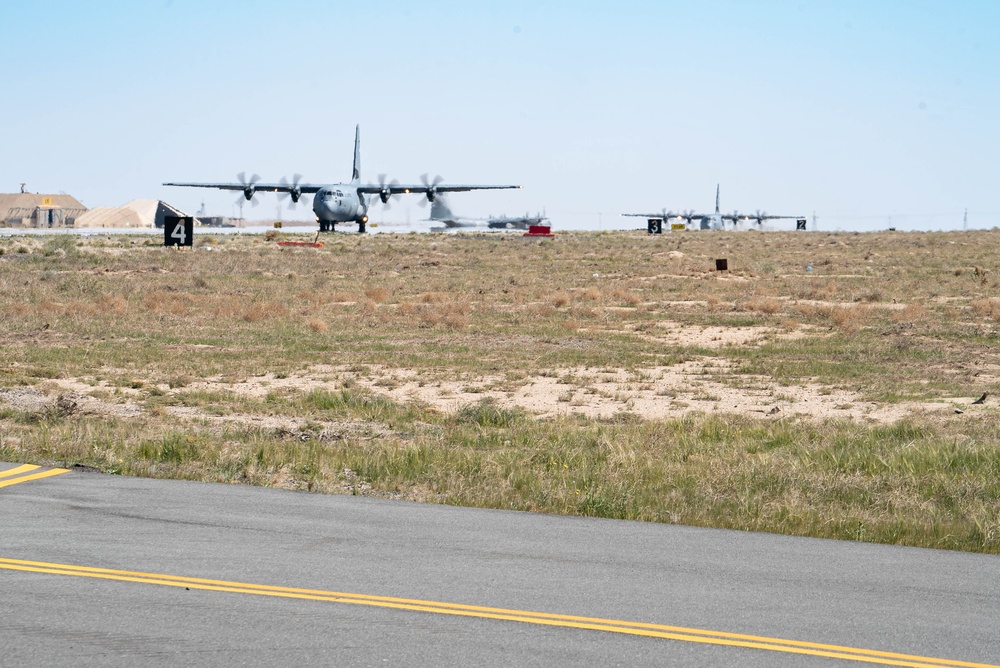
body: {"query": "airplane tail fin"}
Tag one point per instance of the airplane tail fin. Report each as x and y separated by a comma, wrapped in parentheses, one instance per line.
(717, 198)
(356, 174)
(440, 210)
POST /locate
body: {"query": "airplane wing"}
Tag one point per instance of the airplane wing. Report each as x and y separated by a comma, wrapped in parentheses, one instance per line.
(404, 188)
(670, 214)
(257, 187)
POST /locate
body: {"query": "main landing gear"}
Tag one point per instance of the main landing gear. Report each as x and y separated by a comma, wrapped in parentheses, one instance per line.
(330, 226)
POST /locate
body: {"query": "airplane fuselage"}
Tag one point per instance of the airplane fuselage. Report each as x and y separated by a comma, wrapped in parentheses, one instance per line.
(713, 222)
(339, 203)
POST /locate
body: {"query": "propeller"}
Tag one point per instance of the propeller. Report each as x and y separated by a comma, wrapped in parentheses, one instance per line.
(249, 188)
(761, 216)
(293, 191)
(736, 215)
(431, 187)
(385, 193)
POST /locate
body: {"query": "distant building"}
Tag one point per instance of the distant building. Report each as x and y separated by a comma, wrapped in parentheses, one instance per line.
(39, 211)
(137, 213)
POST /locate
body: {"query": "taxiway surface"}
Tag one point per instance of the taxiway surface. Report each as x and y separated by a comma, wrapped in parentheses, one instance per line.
(99, 570)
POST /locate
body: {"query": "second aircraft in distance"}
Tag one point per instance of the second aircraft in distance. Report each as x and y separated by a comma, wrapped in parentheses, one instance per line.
(716, 220)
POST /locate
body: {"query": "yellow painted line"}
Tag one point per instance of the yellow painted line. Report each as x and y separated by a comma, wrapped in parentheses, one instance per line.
(18, 470)
(524, 616)
(33, 476)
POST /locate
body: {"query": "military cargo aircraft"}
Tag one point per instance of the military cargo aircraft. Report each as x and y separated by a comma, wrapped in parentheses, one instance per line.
(713, 221)
(340, 202)
(441, 213)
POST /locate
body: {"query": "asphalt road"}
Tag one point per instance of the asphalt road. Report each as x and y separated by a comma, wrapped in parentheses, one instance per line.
(100, 570)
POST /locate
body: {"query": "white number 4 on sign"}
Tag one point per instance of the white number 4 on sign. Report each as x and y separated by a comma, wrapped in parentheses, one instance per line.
(178, 231)
(178, 234)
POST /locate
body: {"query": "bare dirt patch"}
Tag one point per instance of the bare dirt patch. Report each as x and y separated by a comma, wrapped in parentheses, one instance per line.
(699, 386)
(711, 336)
(704, 385)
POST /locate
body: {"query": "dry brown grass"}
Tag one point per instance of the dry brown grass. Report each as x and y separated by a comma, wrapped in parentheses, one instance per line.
(849, 319)
(913, 312)
(376, 294)
(112, 304)
(542, 310)
(317, 325)
(765, 305)
(256, 313)
(826, 290)
(626, 297)
(190, 324)
(433, 297)
(561, 299)
(986, 308)
(453, 315)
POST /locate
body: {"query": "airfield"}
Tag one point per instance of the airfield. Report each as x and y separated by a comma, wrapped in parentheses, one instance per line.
(615, 374)
(762, 432)
(378, 406)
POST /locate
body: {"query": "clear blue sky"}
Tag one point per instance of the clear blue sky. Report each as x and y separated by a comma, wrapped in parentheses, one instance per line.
(857, 110)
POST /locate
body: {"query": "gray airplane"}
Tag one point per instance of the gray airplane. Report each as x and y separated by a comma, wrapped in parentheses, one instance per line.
(340, 202)
(713, 221)
(441, 213)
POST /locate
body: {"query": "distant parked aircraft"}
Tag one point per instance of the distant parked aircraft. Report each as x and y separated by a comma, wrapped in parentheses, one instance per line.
(340, 202)
(716, 220)
(441, 213)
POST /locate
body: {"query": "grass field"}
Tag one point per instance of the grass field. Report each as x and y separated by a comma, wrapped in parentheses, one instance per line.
(824, 386)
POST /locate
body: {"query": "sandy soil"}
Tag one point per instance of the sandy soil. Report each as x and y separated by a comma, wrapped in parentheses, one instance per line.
(702, 385)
